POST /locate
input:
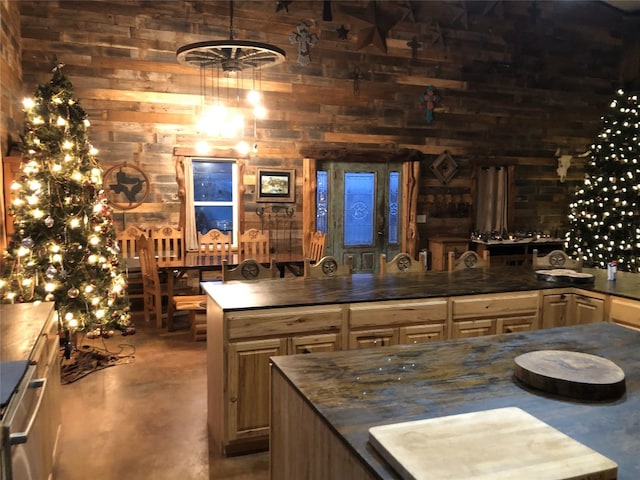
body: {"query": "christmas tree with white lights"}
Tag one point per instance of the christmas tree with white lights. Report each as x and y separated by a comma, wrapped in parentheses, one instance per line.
(64, 248)
(605, 212)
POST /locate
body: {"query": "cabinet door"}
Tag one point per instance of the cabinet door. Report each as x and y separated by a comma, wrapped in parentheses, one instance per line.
(587, 310)
(378, 337)
(325, 342)
(472, 328)
(421, 333)
(525, 323)
(555, 310)
(248, 387)
(625, 312)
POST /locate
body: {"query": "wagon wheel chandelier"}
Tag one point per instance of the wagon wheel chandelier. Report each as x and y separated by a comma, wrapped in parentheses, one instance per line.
(230, 58)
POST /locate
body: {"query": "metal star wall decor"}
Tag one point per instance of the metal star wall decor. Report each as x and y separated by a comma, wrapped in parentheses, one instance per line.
(380, 19)
(283, 5)
(343, 33)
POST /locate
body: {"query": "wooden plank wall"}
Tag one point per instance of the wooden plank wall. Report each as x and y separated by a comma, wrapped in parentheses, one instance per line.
(516, 79)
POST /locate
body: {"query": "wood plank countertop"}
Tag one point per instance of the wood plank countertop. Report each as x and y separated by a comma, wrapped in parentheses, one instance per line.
(351, 392)
(368, 287)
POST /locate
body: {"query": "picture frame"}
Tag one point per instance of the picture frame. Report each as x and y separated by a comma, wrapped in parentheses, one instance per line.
(275, 185)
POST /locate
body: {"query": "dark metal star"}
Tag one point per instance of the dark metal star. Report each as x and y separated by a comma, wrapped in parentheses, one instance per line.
(381, 19)
(343, 33)
(283, 5)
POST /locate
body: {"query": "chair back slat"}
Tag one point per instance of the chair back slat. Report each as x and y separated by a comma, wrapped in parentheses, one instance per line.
(254, 243)
(316, 246)
(468, 259)
(555, 259)
(168, 241)
(401, 263)
(128, 241)
(327, 267)
(248, 269)
(152, 290)
(215, 242)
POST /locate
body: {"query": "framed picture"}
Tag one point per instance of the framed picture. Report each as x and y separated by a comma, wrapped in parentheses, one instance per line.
(273, 185)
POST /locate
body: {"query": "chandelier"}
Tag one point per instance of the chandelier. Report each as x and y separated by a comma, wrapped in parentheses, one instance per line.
(222, 64)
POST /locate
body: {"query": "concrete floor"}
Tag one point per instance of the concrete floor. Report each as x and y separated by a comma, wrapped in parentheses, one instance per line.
(146, 419)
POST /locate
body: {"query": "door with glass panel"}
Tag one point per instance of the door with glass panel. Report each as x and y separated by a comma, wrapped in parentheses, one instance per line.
(359, 209)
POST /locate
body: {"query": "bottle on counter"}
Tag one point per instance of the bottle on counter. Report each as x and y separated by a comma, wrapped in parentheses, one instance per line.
(612, 267)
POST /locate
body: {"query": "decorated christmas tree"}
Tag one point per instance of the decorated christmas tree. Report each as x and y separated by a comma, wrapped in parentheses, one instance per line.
(605, 212)
(64, 247)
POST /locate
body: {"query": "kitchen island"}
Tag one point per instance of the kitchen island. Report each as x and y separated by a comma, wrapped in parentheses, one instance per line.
(324, 404)
(250, 322)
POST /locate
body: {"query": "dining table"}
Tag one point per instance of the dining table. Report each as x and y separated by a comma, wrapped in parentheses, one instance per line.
(174, 267)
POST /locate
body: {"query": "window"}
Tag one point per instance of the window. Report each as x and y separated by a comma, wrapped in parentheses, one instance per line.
(215, 194)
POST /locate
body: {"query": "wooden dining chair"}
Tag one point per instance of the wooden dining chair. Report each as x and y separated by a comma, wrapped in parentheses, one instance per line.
(316, 246)
(153, 289)
(249, 269)
(555, 259)
(217, 244)
(196, 307)
(327, 267)
(468, 259)
(254, 244)
(127, 240)
(168, 241)
(401, 263)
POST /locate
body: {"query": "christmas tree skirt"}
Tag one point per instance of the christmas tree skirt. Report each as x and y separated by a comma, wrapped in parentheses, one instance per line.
(87, 360)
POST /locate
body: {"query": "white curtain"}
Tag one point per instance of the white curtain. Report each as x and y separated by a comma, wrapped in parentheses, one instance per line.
(492, 199)
(190, 235)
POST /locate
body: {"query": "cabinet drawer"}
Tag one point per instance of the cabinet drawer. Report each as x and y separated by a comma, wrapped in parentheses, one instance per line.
(284, 321)
(625, 312)
(494, 305)
(393, 313)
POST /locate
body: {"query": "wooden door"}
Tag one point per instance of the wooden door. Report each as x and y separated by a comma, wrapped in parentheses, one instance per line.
(555, 310)
(248, 387)
(364, 212)
(587, 310)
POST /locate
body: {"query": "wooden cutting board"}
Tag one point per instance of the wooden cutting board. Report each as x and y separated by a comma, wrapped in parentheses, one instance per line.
(501, 444)
(571, 374)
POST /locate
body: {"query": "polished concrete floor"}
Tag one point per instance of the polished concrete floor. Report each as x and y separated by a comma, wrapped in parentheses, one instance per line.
(145, 419)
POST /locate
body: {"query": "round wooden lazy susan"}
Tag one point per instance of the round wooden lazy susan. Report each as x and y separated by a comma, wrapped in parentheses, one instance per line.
(571, 374)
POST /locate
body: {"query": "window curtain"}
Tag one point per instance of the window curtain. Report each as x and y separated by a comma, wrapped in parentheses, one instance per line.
(190, 235)
(492, 199)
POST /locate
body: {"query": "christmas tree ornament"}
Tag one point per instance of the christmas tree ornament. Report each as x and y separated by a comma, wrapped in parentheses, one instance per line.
(73, 292)
(49, 221)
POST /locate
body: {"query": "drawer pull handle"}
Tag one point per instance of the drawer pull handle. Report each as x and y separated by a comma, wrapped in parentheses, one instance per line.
(18, 438)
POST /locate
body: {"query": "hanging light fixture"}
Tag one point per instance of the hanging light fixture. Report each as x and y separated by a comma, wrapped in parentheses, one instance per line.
(225, 61)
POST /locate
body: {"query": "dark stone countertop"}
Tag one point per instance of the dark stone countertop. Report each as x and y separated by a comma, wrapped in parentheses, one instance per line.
(368, 287)
(355, 390)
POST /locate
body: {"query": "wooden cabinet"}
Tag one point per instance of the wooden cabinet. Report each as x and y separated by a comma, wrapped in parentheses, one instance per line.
(571, 307)
(587, 309)
(478, 315)
(439, 247)
(379, 324)
(555, 309)
(625, 312)
(239, 351)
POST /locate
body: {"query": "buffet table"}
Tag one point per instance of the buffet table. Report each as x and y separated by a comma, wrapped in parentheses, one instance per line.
(324, 404)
